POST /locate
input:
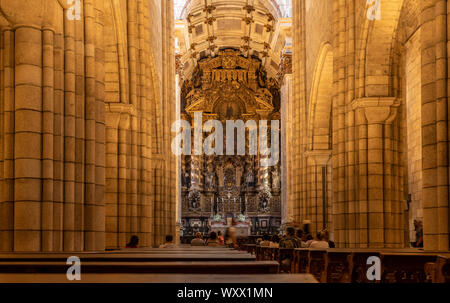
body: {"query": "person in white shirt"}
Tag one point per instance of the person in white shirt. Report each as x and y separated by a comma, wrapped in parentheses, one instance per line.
(320, 243)
(169, 242)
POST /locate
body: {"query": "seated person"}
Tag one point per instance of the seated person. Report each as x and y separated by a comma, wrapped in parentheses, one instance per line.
(212, 241)
(309, 239)
(290, 240)
(221, 238)
(258, 241)
(266, 241)
(326, 237)
(275, 241)
(169, 242)
(301, 236)
(198, 240)
(320, 243)
(134, 241)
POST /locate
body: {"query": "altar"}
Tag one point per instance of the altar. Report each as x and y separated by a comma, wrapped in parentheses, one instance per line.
(230, 186)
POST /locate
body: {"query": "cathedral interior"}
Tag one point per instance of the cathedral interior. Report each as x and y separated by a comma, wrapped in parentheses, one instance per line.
(90, 91)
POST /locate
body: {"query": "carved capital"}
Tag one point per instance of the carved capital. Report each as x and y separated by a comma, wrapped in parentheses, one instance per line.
(319, 157)
(378, 110)
(37, 13)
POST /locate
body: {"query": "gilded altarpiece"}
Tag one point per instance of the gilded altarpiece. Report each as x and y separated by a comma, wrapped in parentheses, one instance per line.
(219, 189)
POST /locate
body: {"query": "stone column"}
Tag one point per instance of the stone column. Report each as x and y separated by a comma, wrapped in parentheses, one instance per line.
(318, 194)
(287, 203)
(48, 60)
(298, 191)
(7, 194)
(27, 138)
(379, 114)
(435, 130)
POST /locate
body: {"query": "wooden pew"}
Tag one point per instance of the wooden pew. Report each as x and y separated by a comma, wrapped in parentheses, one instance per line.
(174, 267)
(439, 270)
(250, 248)
(127, 257)
(159, 278)
(399, 267)
(265, 253)
(300, 263)
(338, 266)
(284, 254)
(316, 264)
(350, 265)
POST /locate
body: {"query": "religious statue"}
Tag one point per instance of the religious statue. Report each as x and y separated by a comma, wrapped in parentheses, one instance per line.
(264, 198)
(194, 200)
(185, 179)
(276, 178)
(250, 179)
(239, 172)
(220, 176)
(210, 178)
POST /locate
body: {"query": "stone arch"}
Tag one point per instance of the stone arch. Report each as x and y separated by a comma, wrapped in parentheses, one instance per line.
(319, 131)
(116, 79)
(376, 51)
(319, 122)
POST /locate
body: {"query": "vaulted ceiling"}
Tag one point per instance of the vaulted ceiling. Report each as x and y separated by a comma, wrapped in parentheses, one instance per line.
(255, 27)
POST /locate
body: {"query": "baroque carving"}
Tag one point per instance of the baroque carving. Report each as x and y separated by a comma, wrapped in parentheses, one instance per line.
(230, 86)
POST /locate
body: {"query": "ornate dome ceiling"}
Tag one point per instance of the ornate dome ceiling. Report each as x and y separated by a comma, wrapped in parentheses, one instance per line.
(255, 27)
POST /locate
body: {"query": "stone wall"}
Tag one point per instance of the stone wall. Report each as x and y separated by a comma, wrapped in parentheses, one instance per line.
(79, 101)
(414, 135)
(389, 111)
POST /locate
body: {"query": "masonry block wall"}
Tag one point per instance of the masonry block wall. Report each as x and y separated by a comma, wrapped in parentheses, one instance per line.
(388, 123)
(79, 101)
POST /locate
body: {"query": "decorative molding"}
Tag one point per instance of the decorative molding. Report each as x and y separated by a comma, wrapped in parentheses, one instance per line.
(377, 109)
(318, 156)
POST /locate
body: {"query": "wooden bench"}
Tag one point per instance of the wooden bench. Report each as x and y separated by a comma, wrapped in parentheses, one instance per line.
(300, 263)
(159, 278)
(128, 257)
(350, 265)
(174, 267)
(438, 271)
(316, 264)
(265, 253)
(250, 248)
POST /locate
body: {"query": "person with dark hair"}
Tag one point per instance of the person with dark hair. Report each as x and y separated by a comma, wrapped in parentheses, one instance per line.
(419, 233)
(301, 236)
(290, 241)
(309, 239)
(134, 242)
(212, 241)
(169, 242)
(326, 237)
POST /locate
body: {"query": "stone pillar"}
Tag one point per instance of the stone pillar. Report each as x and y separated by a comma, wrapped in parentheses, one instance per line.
(287, 203)
(297, 193)
(7, 127)
(27, 138)
(435, 130)
(318, 161)
(48, 60)
(379, 114)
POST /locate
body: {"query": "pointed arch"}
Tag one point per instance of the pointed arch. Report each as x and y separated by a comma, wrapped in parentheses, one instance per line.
(320, 105)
